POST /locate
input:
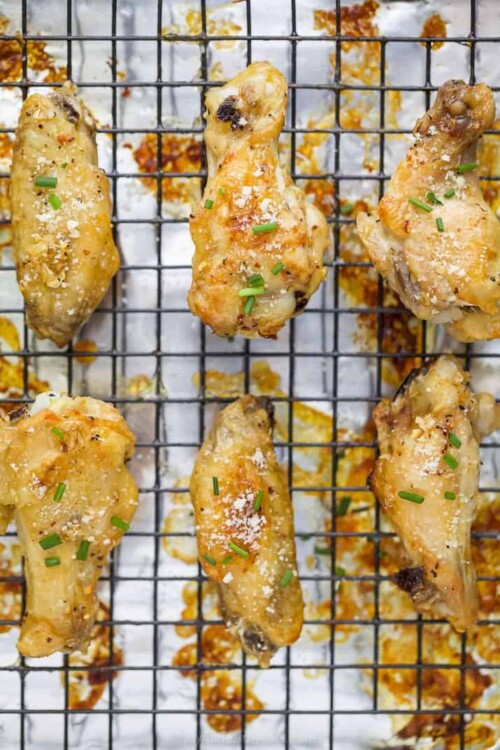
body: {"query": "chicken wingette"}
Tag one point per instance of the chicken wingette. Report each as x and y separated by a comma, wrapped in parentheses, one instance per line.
(259, 243)
(245, 531)
(63, 470)
(434, 237)
(62, 237)
(426, 480)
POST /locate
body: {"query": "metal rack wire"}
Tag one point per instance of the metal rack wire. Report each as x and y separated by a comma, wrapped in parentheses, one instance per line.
(115, 308)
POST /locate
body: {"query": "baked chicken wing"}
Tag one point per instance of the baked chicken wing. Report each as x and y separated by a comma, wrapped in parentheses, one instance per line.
(62, 238)
(63, 469)
(433, 237)
(244, 523)
(259, 243)
(426, 480)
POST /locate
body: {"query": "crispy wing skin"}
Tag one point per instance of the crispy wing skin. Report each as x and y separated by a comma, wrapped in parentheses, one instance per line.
(414, 437)
(65, 257)
(450, 276)
(87, 454)
(260, 593)
(248, 188)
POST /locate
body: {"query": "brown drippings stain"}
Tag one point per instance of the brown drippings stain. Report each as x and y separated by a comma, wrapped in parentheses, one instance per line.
(10, 591)
(140, 385)
(12, 369)
(193, 26)
(434, 26)
(39, 60)
(488, 158)
(88, 347)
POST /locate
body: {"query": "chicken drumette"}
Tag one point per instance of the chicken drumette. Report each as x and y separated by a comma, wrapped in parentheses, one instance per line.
(63, 472)
(433, 236)
(62, 237)
(244, 522)
(259, 242)
(426, 480)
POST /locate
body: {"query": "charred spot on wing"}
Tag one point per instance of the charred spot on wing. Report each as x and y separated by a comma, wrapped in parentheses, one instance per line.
(410, 580)
(301, 301)
(64, 104)
(266, 404)
(415, 373)
(256, 642)
(21, 411)
(227, 111)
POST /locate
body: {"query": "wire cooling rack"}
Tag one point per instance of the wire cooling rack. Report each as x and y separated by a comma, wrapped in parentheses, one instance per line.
(117, 313)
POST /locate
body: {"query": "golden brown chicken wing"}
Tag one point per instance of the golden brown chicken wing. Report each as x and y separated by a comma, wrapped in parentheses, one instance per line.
(63, 468)
(62, 238)
(433, 236)
(426, 480)
(244, 523)
(259, 242)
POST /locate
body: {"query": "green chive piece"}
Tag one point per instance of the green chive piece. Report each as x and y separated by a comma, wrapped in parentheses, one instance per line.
(83, 550)
(46, 182)
(251, 291)
(382, 553)
(210, 560)
(431, 198)
(271, 226)
(239, 550)
(440, 225)
(449, 193)
(286, 578)
(346, 208)
(451, 461)
(119, 523)
(249, 305)
(344, 504)
(256, 279)
(450, 495)
(64, 165)
(226, 560)
(215, 483)
(454, 440)
(51, 562)
(208, 203)
(55, 201)
(411, 496)
(60, 490)
(58, 432)
(322, 550)
(420, 204)
(221, 191)
(277, 268)
(49, 541)
(339, 571)
(258, 500)
(466, 167)
(361, 509)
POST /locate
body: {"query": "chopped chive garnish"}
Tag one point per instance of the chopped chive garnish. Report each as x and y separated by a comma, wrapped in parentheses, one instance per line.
(83, 550)
(46, 182)
(433, 200)
(420, 204)
(64, 164)
(361, 509)
(55, 201)
(256, 279)
(215, 483)
(382, 553)
(239, 550)
(449, 193)
(60, 490)
(277, 268)
(51, 562)
(466, 167)
(119, 523)
(344, 504)
(208, 203)
(411, 496)
(258, 500)
(221, 191)
(49, 541)
(339, 571)
(251, 291)
(454, 440)
(210, 560)
(271, 226)
(450, 495)
(451, 461)
(440, 225)
(58, 432)
(227, 559)
(286, 578)
(322, 550)
(249, 305)
(346, 208)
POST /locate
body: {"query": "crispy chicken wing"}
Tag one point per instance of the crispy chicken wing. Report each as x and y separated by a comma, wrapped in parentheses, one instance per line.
(253, 229)
(443, 259)
(244, 522)
(426, 480)
(63, 468)
(62, 239)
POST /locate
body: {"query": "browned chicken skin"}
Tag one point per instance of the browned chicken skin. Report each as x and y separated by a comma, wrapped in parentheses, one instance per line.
(245, 529)
(429, 447)
(443, 263)
(248, 192)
